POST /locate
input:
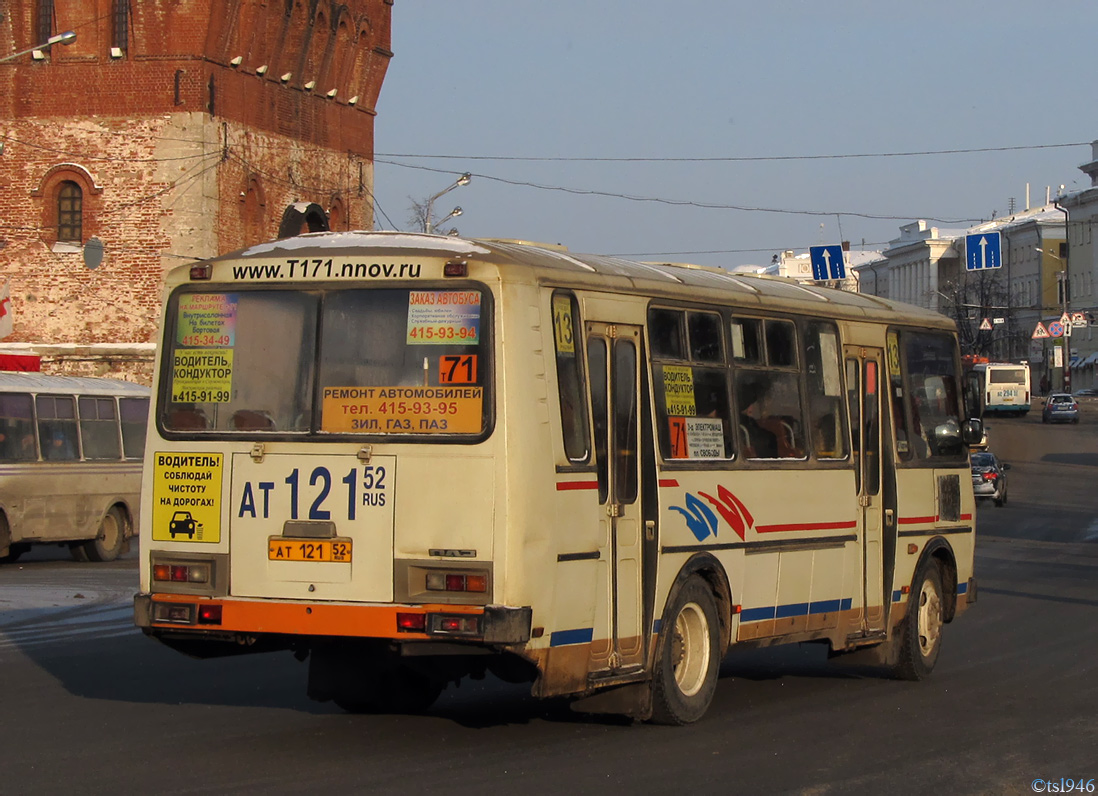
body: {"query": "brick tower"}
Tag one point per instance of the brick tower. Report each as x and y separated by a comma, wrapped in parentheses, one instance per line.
(171, 130)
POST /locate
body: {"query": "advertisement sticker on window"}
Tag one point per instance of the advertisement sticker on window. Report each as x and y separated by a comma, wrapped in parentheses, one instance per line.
(678, 390)
(402, 410)
(696, 438)
(203, 375)
(443, 317)
(207, 320)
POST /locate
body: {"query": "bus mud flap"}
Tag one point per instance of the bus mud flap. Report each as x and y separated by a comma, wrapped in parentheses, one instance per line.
(633, 700)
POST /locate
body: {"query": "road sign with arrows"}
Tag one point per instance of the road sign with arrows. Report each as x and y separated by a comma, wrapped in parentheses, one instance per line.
(983, 251)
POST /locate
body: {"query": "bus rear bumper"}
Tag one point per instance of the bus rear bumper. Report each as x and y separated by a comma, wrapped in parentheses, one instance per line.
(166, 615)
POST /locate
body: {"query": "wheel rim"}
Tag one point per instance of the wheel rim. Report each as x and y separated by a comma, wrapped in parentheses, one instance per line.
(690, 649)
(930, 618)
(109, 531)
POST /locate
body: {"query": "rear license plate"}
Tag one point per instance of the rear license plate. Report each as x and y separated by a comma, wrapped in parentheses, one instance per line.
(281, 549)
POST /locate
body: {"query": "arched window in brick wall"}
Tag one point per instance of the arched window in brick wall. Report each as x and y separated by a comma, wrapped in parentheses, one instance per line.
(319, 44)
(297, 37)
(274, 41)
(342, 59)
(70, 212)
(69, 204)
(245, 43)
(253, 212)
(43, 20)
(337, 215)
(357, 81)
(120, 25)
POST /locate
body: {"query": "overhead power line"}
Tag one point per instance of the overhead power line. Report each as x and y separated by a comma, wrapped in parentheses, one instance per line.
(688, 202)
(731, 158)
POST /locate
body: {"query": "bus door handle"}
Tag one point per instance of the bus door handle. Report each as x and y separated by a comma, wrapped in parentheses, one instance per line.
(865, 501)
(890, 517)
(649, 530)
(613, 509)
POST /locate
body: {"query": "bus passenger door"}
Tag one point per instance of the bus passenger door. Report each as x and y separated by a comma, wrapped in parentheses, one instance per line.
(864, 383)
(613, 355)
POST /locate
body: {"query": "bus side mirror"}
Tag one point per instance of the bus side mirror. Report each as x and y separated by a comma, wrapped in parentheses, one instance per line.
(972, 431)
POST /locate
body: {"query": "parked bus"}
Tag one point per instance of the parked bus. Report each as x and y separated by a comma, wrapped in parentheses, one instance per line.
(413, 458)
(70, 463)
(1002, 387)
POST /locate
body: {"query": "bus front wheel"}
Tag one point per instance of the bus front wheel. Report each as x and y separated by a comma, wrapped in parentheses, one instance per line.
(107, 543)
(922, 629)
(687, 667)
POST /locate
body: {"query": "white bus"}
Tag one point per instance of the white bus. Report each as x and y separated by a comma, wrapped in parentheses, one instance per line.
(70, 463)
(415, 458)
(1003, 387)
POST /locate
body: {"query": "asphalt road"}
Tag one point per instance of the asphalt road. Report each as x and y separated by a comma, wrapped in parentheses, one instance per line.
(91, 706)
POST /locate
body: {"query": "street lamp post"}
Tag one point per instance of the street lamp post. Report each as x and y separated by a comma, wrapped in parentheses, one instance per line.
(464, 179)
(68, 37)
(1063, 282)
(457, 211)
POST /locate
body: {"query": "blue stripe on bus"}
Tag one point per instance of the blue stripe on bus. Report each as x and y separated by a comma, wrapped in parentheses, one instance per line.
(656, 625)
(795, 609)
(561, 638)
(962, 588)
(897, 596)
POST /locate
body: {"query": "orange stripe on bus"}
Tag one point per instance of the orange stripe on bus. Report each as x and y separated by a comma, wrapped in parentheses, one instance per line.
(916, 520)
(807, 526)
(313, 619)
(564, 486)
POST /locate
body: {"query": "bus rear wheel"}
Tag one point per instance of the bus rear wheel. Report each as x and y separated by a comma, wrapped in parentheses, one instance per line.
(922, 629)
(107, 544)
(686, 670)
(9, 551)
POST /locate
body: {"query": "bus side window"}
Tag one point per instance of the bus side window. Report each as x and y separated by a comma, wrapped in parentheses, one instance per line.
(824, 391)
(570, 384)
(99, 428)
(933, 394)
(17, 428)
(135, 417)
(57, 427)
(691, 385)
(768, 400)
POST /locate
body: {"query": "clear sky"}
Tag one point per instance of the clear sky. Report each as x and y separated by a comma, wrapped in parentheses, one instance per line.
(520, 92)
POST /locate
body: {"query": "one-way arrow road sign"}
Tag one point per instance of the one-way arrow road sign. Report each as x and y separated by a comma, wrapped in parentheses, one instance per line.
(827, 262)
(983, 251)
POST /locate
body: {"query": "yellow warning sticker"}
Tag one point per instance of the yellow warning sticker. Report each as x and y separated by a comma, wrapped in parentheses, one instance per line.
(678, 390)
(187, 497)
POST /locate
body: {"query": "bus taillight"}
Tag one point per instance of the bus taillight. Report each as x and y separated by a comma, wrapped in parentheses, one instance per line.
(457, 581)
(182, 573)
(412, 623)
(209, 615)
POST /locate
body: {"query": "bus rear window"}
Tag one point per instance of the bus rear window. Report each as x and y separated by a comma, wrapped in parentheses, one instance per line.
(1006, 375)
(381, 361)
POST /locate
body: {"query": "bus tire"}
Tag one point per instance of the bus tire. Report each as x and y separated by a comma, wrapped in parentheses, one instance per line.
(9, 550)
(108, 541)
(921, 641)
(688, 660)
